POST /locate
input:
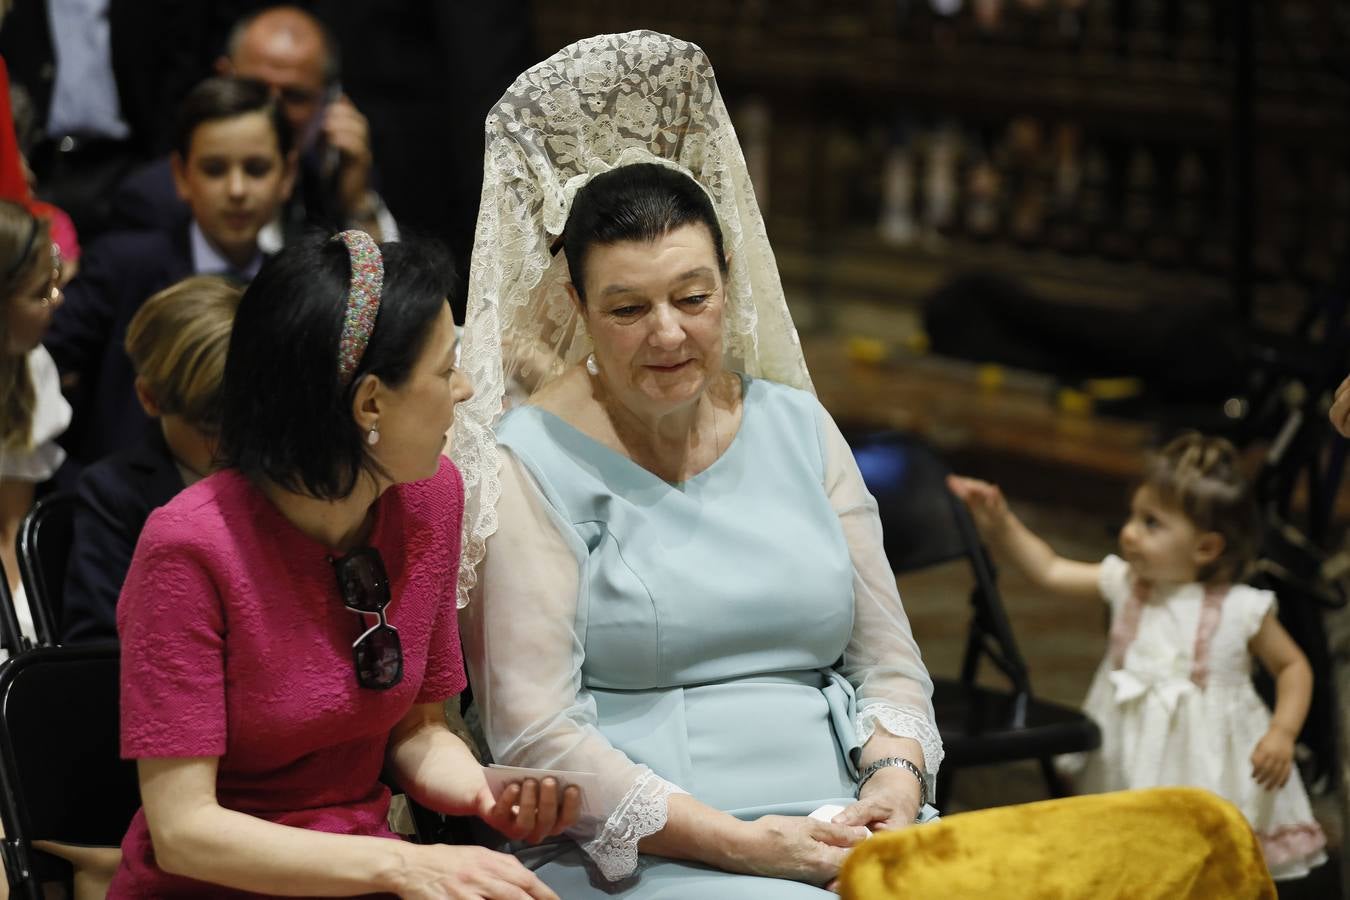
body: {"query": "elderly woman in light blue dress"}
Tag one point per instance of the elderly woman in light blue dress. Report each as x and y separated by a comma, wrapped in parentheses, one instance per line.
(674, 573)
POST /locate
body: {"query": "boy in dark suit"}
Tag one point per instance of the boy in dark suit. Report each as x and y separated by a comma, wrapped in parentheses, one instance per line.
(234, 166)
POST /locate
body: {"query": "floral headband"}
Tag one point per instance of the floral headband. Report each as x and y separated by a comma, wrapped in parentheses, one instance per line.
(363, 299)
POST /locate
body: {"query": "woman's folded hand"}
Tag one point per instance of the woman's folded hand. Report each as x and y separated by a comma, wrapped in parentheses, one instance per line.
(797, 847)
(530, 810)
(889, 802)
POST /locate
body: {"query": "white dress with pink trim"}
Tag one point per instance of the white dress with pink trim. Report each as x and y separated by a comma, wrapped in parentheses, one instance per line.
(1176, 706)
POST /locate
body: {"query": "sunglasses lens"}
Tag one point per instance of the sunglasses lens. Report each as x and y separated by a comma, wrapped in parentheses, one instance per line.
(364, 585)
(379, 658)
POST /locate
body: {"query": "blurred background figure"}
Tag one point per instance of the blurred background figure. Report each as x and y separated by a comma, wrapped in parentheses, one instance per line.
(32, 411)
(103, 77)
(292, 53)
(233, 166)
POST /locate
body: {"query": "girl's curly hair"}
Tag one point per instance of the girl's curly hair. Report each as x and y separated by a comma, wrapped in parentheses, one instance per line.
(1203, 478)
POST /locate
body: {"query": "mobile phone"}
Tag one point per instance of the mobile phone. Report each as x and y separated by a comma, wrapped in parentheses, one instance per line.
(313, 136)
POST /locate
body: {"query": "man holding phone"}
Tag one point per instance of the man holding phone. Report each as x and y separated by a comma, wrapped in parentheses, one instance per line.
(289, 50)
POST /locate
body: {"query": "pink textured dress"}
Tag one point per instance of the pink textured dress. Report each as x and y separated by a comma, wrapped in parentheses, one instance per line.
(236, 644)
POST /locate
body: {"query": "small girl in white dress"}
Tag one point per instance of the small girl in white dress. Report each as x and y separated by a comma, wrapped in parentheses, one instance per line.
(1174, 696)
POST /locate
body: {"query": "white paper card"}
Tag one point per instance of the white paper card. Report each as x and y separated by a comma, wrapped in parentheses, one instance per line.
(827, 812)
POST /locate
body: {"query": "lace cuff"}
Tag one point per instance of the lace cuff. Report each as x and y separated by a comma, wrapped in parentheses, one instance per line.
(641, 812)
(902, 722)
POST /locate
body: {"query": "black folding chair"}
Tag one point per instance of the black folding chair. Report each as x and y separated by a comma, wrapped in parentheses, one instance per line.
(438, 828)
(924, 525)
(1292, 379)
(45, 538)
(61, 774)
(11, 636)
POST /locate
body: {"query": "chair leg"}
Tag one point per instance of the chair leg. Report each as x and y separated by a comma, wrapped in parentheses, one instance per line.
(19, 872)
(1054, 782)
(944, 789)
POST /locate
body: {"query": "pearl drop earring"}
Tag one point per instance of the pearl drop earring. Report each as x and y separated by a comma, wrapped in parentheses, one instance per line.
(373, 436)
(591, 365)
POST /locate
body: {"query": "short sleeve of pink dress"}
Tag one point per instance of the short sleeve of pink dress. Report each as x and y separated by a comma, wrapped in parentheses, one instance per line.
(236, 644)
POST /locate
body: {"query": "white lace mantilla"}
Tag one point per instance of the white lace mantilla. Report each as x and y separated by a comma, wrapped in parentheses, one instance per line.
(599, 103)
(905, 723)
(640, 813)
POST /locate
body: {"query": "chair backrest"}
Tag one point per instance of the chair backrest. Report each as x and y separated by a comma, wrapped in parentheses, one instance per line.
(44, 550)
(908, 481)
(11, 634)
(924, 524)
(1291, 378)
(60, 768)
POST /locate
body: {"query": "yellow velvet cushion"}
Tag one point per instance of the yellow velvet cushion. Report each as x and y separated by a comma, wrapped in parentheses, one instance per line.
(1171, 843)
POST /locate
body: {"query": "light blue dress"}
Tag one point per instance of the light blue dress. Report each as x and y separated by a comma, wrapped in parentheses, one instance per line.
(711, 616)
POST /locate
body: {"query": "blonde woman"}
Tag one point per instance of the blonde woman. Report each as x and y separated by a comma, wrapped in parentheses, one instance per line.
(177, 343)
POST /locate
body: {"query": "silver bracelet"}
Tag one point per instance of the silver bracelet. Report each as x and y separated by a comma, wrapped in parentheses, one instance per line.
(886, 763)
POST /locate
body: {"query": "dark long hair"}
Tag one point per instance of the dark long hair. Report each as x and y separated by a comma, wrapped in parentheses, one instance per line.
(225, 97)
(287, 415)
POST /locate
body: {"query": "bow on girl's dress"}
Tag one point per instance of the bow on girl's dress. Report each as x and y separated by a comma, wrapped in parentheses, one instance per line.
(1164, 678)
(1162, 673)
(1167, 689)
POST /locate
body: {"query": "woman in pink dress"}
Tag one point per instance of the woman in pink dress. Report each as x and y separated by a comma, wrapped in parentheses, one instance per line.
(288, 624)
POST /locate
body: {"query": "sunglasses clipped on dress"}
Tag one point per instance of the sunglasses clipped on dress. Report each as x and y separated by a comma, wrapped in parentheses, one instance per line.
(364, 586)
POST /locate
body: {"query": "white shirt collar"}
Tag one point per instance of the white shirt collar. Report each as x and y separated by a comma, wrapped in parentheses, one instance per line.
(206, 260)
